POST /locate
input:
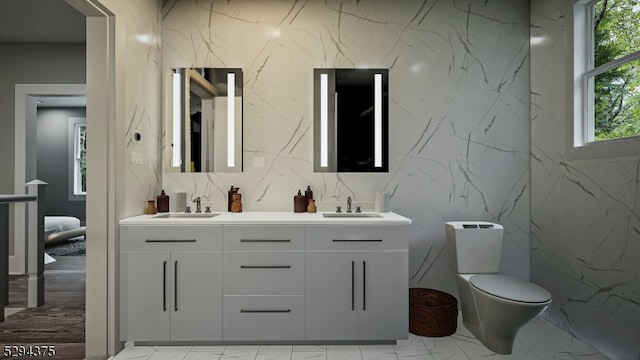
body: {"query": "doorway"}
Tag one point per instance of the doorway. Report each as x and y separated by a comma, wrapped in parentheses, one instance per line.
(26, 153)
(101, 295)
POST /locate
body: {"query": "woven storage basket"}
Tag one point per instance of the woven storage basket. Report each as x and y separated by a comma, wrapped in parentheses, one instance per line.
(432, 312)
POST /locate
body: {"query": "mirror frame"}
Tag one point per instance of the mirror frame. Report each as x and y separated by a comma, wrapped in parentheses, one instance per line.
(224, 145)
(326, 157)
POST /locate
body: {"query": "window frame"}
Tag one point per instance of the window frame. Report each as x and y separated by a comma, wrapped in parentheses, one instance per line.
(580, 124)
(74, 159)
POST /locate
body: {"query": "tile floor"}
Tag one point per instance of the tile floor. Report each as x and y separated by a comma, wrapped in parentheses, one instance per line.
(538, 340)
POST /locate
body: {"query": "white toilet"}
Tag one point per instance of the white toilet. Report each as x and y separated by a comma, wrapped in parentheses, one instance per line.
(494, 307)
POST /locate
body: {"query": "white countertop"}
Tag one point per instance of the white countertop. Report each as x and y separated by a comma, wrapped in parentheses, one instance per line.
(268, 217)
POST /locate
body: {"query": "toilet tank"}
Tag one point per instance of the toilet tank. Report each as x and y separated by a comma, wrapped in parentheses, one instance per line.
(474, 246)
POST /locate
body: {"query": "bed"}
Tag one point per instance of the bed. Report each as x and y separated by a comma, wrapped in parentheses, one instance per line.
(58, 229)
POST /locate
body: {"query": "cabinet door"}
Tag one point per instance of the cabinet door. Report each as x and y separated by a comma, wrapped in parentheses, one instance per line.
(383, 309)
(196, 296)
(145, 280)
(331, 295)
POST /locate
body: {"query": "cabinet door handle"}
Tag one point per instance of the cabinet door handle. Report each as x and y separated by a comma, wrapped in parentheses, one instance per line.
(264, 311)
(353, 284)
(265, 266)
(175, 286)
(364, 285)
(357, 240)
(164, 286)
(265, 240)
(170, 241)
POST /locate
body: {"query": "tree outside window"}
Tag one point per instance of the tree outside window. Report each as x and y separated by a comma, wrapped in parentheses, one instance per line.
(614, 78)
(80, 168)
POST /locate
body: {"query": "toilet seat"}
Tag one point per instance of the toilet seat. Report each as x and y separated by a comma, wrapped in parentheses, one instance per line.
(510, 288)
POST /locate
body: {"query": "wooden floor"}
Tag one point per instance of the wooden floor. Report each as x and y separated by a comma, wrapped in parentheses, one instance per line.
(60, 321)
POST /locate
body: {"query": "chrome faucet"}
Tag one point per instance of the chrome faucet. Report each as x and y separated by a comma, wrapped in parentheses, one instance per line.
(197, 201)
(348, 204)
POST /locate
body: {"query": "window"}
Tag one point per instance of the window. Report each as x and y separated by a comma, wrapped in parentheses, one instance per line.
(80, 160)
(606, 44)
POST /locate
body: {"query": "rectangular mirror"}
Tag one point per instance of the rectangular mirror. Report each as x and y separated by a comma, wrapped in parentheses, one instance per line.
(203, 126)
(351, 120)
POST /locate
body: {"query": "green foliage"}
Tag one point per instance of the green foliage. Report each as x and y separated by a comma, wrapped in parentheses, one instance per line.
(83, 173)
(83, 166)
(617, 91)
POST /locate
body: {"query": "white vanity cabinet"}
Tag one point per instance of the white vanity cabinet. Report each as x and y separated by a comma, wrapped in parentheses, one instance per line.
(263, 282)
(170, 283)
(356, 282)
(264, 277)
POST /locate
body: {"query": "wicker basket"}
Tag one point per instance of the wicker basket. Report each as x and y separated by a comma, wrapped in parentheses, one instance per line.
(432, 312)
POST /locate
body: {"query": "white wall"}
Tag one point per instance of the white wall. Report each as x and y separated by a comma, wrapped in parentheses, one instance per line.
(459, 109)
(585, 214)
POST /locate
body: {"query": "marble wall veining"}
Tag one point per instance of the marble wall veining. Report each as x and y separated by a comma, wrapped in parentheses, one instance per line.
(143, 89)
(458, 108)
(585, 214)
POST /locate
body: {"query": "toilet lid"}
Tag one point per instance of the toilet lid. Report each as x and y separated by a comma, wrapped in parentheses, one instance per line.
(510, 288)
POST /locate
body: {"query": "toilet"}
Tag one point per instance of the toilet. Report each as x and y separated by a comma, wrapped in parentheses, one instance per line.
(494, 307)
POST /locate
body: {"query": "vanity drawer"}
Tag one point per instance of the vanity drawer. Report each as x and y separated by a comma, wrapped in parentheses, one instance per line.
(264, 273)
(263, 237)
(349, 237)
(171, 237)
(262, 318)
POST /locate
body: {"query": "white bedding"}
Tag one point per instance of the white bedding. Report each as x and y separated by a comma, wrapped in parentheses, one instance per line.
(60, 223)
(61, 228)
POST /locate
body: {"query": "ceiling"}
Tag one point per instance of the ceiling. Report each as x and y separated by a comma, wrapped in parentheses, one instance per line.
(40, 21)
(43, 21)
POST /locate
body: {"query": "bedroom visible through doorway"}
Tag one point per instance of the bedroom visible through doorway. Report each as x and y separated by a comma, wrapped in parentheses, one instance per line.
(61, 163)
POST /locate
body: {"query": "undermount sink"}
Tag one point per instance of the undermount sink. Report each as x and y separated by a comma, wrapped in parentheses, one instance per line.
(351, 215)
(185, 215)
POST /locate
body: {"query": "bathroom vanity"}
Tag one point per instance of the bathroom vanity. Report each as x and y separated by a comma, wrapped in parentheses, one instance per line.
(264, 277)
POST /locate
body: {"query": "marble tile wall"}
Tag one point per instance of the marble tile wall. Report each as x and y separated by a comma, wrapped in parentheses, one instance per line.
(585, 214)
(141, 60)
(459, 109)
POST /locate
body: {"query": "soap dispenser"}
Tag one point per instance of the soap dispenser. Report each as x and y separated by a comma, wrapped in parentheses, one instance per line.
(230, 197)
(162, 202)
(236, 201)
(308, 194)
(299, 203)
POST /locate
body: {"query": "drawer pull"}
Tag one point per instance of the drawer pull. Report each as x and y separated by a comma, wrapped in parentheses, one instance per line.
(170, 241)
(265, 240)
(265, 311)
(357, 240)
(265, 266)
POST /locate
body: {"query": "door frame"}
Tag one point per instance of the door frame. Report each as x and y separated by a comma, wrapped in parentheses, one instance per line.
(105, 174)
(26, 156)
(104, 90)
